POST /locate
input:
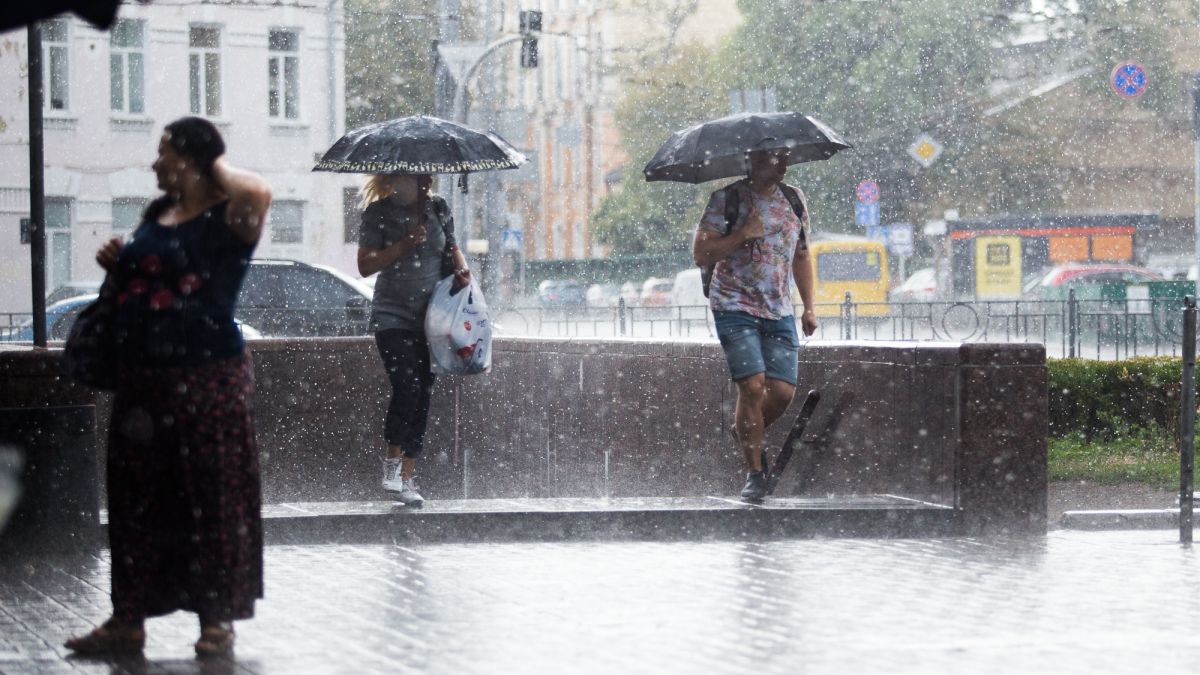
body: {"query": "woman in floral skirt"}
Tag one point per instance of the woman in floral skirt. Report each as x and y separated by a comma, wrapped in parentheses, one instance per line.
(184, 494)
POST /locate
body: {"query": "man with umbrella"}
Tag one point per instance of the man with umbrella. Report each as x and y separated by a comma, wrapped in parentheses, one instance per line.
(753, 238)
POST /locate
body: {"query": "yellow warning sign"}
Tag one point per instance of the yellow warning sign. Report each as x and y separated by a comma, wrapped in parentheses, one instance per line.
(925, 150)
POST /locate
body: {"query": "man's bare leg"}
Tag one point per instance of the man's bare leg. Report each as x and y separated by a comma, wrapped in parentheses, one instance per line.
(748, 419)
(779, 395)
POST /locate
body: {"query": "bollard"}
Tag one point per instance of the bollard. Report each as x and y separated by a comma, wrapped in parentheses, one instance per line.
(1187, 423)
(847, 308)
(621, 316)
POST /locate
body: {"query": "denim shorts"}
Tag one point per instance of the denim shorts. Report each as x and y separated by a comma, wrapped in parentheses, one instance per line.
(753, 345)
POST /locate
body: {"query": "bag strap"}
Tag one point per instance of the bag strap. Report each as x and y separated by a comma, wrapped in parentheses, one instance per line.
(442, 209)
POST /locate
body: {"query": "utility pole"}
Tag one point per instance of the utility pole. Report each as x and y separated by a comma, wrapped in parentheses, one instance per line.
(449, 19)
(490, 227)
(37, 185)
(1196, 160)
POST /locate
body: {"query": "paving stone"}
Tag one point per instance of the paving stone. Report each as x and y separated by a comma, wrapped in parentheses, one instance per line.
(1069, 602)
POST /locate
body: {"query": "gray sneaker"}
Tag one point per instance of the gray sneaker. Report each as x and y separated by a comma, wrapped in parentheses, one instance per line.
(409, 495)
(391, 476)
(756, 487)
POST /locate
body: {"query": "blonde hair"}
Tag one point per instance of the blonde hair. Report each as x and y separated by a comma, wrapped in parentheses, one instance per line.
(378, 186)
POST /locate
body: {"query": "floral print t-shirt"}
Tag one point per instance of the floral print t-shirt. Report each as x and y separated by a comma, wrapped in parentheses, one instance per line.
(756, 278)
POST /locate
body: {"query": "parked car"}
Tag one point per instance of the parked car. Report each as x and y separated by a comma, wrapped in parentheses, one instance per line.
(61, 316)
(688, 289)
(72, 289)
(603, 295)
(630, 294)
(920, 286)
(687, 296)
(288, 298)
(1065, 276)
(562, 293)
(656, 292)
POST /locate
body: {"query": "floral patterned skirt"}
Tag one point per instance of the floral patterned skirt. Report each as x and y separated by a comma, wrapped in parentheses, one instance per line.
(184, 492)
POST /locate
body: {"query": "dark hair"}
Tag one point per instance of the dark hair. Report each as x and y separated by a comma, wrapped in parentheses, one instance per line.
(194, 138)
(198, 139)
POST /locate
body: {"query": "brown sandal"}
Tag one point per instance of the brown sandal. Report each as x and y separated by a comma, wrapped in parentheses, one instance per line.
(214, 641)
(111, 637)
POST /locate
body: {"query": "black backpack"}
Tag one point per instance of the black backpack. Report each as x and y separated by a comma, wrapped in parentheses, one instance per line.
(733, 205)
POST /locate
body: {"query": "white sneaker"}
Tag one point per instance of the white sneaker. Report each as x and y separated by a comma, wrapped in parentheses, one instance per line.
(409, 495)
(391, 476)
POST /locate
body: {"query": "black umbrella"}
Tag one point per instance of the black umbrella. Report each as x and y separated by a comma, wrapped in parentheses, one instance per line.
(717, 149)
(418, 145)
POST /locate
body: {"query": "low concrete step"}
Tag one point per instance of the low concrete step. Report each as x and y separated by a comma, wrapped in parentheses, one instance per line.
(687, 518)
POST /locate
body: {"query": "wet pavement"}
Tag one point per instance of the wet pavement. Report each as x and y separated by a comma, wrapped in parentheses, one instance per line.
(1068, 602)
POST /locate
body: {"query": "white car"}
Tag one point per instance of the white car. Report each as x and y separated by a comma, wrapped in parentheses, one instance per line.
(920, 286)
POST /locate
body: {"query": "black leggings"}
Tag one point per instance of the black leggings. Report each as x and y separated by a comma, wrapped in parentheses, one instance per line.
(406, 359)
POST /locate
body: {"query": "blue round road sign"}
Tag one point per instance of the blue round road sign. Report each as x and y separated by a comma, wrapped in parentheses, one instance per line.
(1128, 80)
(867, 192)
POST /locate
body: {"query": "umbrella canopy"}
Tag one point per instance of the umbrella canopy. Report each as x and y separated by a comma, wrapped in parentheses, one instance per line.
(418, 145)
(717, 149)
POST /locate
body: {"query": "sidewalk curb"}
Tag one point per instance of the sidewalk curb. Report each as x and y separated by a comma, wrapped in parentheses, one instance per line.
(1133, 519)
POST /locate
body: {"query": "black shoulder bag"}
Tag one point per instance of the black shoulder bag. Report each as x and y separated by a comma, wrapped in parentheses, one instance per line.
(90, 353)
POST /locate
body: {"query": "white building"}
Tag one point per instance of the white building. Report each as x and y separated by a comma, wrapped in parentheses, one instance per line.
(270, 77)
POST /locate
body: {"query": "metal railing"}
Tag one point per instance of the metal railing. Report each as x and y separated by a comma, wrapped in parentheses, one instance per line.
(1071, 327)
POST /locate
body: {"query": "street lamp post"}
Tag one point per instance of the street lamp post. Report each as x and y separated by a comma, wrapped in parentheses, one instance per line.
(458, 203)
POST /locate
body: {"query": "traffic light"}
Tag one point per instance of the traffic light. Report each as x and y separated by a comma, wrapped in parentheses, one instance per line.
(531, 25)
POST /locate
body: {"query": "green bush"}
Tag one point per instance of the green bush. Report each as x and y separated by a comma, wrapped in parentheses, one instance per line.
(1109, 400)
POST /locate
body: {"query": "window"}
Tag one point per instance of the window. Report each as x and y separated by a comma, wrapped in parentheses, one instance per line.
(58, 241)
(283, 75)
(351, 214)
(55, 63)
(848, 266)
(204, 70)
(126, 67)
(287, 222)
(127, 213)
(578, 250)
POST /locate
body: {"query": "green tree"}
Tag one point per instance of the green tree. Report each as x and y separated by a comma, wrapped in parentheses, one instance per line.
(643, 217)
(1112, 32)
(881, 78)
(389, 60)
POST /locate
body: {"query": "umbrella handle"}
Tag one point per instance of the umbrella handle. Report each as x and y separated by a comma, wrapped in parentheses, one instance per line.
(462, 182)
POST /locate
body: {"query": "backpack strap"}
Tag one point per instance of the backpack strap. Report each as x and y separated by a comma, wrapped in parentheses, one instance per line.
(733, 205)
(793, 198)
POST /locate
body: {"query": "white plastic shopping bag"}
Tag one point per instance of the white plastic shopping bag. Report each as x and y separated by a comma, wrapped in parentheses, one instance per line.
(458, 329)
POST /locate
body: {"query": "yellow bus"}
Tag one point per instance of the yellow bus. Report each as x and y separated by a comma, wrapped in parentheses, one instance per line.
(853, 264)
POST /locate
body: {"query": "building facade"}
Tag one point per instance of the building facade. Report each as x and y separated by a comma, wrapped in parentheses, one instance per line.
(270, 77)
(561, 115)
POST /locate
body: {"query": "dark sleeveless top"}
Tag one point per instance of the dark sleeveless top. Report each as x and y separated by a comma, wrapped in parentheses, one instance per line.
(177, 288)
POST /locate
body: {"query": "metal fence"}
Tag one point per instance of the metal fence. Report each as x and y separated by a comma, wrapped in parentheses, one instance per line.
(1071, 327)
